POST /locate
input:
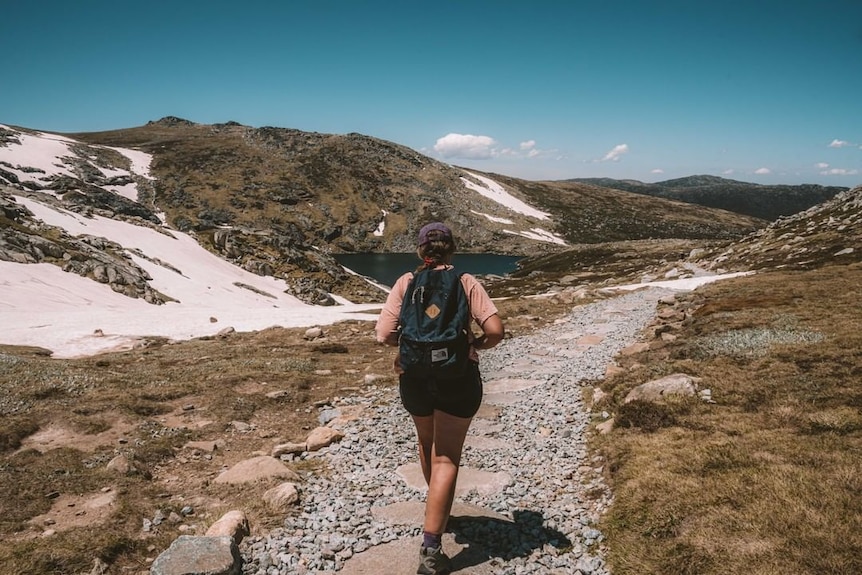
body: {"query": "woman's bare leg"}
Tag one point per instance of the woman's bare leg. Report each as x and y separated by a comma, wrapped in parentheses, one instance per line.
(441, 440)
(425, 436)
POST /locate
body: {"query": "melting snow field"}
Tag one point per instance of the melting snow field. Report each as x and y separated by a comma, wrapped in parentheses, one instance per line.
(44, 306)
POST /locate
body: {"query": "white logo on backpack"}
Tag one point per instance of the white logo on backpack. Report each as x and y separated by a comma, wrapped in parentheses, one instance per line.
(439, 355)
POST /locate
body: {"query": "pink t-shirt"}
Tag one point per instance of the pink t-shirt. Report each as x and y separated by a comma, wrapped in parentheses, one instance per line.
(481, 307)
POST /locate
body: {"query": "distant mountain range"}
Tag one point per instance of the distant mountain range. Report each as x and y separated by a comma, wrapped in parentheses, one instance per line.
(761, 201)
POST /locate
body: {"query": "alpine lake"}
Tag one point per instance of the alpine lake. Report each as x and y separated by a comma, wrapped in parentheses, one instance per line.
(386, 268)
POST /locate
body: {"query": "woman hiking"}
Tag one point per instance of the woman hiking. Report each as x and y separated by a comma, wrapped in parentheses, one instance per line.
(442, 404)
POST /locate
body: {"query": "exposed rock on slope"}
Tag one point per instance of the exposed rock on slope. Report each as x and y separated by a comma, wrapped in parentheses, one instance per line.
(829, 232)
(24, 239)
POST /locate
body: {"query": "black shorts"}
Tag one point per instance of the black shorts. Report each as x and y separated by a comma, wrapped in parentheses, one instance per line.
(460, 397)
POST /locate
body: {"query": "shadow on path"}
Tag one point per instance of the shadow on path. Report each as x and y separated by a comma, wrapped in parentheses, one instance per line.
(486, 538)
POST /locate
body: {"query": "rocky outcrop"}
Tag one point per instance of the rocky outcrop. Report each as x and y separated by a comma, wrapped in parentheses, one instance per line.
(27, 241)
(282, 252)
(103, 202)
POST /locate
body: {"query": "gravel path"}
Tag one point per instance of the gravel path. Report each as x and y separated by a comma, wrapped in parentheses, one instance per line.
(555, 494)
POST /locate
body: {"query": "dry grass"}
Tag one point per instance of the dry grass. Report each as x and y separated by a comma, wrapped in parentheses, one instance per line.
(768, 479)
(62, 421)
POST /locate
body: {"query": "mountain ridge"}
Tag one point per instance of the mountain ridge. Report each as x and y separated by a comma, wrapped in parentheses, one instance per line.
(768, 202)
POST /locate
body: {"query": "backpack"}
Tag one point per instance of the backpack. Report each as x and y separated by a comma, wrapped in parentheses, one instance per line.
(434, 322)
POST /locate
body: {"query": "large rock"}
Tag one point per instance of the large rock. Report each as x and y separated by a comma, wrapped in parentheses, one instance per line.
(322, 437)
(233, 524)
(282, 497)
(288, 449)
(256, 468)
(658, 389)
(189, 555)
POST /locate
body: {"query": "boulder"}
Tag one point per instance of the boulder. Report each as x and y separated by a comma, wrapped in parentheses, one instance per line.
(233, 524)
(288, 449)
(189, 555)
(281, 497)
(256, 468)
(658, 389)
(322, 437)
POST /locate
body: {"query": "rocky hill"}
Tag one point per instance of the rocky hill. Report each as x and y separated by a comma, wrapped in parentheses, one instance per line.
(280, 202)
(761, 201)
(830, 232)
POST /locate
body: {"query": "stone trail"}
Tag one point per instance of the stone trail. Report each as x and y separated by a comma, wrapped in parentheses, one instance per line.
(528, 495)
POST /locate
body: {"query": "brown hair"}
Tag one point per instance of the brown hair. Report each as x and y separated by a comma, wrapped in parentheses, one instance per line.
(436, 251)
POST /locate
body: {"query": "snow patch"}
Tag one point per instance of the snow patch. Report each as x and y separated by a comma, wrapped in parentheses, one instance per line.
(540, 235)
(494, 191)
(494, 219)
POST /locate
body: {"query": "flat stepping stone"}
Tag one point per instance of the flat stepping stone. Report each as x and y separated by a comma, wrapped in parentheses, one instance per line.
(572, 351)
(510, 384)
(537, 365)
(484, 427)
(401, 557)
(413, 512)
(501, 398)
(569, 336)
(483, 443)
(603, 328)
(488, 412)
(469, 479)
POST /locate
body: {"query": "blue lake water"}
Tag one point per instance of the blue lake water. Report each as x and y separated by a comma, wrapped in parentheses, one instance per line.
(386, 268)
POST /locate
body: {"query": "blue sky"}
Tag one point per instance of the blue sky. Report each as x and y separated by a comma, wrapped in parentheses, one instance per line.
(762, 91)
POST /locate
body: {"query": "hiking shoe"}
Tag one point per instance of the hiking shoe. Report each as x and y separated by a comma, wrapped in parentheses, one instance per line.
(433, 561)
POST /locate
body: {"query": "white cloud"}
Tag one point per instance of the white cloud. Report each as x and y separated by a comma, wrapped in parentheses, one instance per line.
(657, 171)
(728, 172)
(821, 165)
(470, 147)
(762, 171)
(466, 146)
(839, 144)
(839, 172)
(614, 155)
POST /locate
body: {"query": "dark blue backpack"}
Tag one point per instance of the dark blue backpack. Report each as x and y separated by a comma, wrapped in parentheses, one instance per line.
(435, 318)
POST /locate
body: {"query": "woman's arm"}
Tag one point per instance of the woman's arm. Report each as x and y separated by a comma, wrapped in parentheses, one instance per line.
(386, 329)
(493, 333)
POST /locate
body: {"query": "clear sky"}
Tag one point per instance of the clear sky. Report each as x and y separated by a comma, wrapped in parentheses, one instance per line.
(766, 91)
